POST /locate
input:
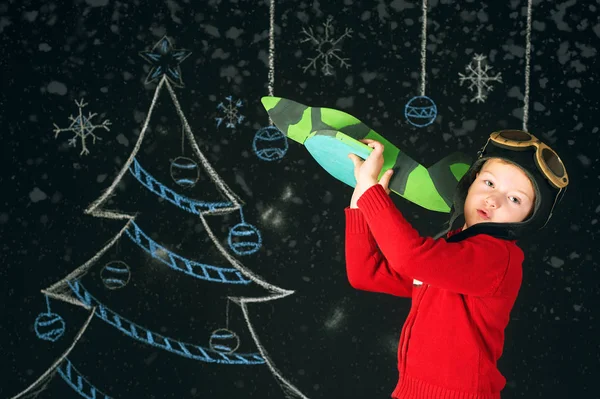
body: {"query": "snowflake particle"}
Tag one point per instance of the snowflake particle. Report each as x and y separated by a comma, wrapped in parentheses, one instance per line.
(477, 75)
(326, 48)
(82, 127)
(231, 113)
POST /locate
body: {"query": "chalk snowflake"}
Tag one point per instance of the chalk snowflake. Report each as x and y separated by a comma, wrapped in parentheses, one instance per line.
(82, 127)
(231, 113)
(477, 75)
(326, 48)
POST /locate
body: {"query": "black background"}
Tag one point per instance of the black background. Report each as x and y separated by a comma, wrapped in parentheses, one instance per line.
(328, 340)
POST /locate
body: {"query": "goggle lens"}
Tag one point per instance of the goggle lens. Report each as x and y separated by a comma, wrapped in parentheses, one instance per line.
(553, 162)
(515, 135)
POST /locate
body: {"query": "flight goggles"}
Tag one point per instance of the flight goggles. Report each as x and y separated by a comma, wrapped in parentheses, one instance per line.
(546, 159)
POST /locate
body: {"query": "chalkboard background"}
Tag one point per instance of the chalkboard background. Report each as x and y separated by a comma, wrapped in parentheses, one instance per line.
(325, 339)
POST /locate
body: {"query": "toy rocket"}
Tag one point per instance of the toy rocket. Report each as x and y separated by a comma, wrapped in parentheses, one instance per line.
(330, 135)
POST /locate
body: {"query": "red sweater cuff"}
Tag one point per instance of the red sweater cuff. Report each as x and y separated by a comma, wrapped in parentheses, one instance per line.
(373, 201)
(355, 221)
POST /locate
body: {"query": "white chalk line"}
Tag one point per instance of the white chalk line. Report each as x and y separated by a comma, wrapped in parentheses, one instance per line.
(271, 47)
(49, 373)
(423, 47)
(527, 66)
(290, 391)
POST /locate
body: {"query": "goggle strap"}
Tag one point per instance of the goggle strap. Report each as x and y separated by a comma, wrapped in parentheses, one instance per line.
(561, 191)
(482, 150)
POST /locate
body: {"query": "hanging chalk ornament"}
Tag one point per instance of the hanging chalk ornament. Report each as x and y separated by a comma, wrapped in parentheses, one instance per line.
(420, 111)
(244, 239)
(184, 171)
(49, 326)
(224, 341)
(270, 144)
(115, 275)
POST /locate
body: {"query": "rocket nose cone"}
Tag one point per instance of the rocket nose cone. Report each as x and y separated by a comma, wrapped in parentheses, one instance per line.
(269, 102)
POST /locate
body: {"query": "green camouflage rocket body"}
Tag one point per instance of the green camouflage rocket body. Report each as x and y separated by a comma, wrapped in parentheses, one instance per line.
(431, 188)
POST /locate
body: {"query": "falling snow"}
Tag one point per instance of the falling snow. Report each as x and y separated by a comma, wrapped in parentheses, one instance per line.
(88, 48)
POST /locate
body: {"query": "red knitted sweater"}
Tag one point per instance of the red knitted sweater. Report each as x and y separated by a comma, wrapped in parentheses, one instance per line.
(462, 294)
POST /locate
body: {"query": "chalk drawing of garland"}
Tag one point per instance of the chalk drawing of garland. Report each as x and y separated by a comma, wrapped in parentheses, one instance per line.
(243, 239)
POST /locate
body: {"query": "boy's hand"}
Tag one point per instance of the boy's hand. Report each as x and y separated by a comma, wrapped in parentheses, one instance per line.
(367, 171)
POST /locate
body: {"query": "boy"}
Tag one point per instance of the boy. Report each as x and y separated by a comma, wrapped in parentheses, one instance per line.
(462, 287)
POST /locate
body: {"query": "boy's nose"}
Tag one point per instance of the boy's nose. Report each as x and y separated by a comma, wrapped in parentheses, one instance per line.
(491, 201)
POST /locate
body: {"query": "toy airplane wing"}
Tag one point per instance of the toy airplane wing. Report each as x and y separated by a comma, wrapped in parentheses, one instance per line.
(330, 135)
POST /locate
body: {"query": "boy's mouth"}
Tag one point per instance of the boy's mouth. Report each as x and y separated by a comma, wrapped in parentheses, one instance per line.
(483, 214)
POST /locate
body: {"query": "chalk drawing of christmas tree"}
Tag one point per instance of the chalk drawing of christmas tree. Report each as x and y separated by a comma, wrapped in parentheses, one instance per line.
(159, 245)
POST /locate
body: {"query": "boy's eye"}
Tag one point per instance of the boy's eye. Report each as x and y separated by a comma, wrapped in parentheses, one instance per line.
(516, 200)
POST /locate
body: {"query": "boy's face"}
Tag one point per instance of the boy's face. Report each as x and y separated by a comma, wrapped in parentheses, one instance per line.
(500, 193)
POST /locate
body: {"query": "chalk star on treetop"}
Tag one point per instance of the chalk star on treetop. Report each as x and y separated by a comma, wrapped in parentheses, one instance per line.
(165, 60)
